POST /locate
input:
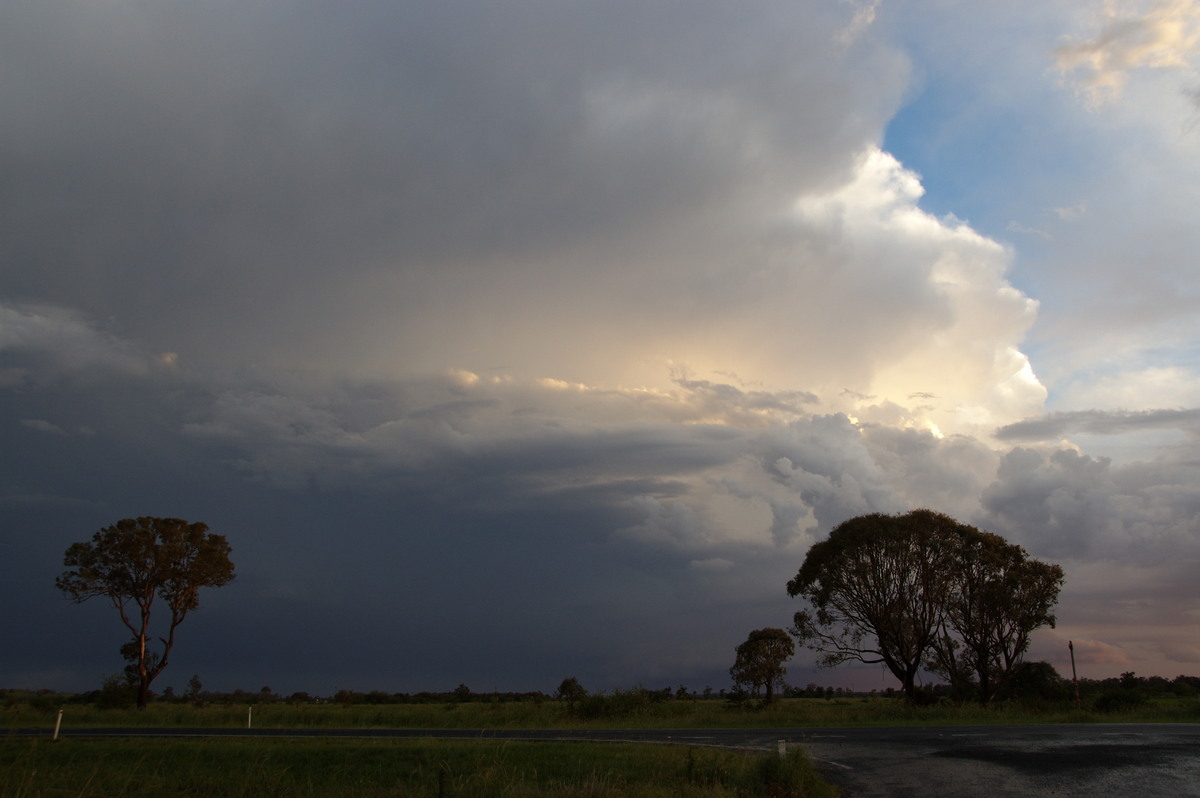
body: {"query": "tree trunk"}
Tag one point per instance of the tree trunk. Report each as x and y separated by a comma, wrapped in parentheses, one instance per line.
(910, 685)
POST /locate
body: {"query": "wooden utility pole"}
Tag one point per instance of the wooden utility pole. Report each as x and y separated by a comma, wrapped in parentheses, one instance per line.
(1074, 676)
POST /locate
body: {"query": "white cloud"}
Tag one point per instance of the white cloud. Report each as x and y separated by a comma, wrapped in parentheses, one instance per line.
(1072, 213)
(1133, 388)
(864, 17)
(953, 322)
(1164, 34)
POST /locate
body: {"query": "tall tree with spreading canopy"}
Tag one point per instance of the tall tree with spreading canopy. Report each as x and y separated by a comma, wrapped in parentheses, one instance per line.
(1001, 595)
(878, 588)
(138, 560)
(923, 590)
(759, 661)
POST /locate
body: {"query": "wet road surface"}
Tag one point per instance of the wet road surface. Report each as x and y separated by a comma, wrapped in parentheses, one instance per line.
(1071, 761)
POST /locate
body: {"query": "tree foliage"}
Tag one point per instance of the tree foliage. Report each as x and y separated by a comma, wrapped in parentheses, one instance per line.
(571, 691)
(877, 587)
(1000, 595)
(1035, 681)
(923, 590)
(759, 661)
(137, 561)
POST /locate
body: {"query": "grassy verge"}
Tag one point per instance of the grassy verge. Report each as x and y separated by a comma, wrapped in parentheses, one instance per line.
(89, 768)
(791, 712)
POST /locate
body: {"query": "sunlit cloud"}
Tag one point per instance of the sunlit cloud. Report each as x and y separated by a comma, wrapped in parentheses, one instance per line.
(1094, 652)
(1160, 35)
(577, 327)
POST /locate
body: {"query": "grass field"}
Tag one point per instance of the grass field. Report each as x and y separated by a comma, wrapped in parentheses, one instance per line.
(91, 768)
(97, 768)
(629, 714)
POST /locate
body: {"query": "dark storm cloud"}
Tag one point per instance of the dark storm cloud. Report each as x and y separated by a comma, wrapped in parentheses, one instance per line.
(446, 436)
(503, 341)
(218, 173)
(40, 345)
(939, 472)
(1098, 422)
(384, 519)
(1067, 504)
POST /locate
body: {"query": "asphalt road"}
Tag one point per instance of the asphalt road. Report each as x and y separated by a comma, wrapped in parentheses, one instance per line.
(1084, 761)
(1065, 761)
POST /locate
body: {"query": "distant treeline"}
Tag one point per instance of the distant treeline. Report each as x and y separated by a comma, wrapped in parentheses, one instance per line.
(1034, 681)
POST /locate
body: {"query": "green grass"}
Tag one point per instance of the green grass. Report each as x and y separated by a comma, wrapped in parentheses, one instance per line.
(92, 768)
(789, 712)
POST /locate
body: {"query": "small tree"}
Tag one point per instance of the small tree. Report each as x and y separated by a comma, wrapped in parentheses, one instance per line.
(136, 561)
(759, 661)
(194, 689)
(116, 691)
(571, 691)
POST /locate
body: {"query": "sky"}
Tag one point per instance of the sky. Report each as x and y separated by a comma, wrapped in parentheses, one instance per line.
(513, 342)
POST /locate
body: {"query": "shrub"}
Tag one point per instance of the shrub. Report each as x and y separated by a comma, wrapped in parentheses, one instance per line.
(1119, 701)
(1032, 682)
(116, 692)
(618, 704)
(792, 776)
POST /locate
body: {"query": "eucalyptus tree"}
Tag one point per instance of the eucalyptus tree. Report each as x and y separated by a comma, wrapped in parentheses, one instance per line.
(759, 660)
(136, 561)
(923, 590)
(877, 587)
(1001, 595)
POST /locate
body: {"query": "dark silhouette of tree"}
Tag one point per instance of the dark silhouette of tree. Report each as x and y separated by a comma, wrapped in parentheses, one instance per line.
(759, 661)
(1000, 595)
(878, 588)
(138, 560)
(1034, 681)
(571, 691)
(922, 589)
(195, 689)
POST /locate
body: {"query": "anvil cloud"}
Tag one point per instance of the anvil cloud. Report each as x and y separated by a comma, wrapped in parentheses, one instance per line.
(513, 342)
